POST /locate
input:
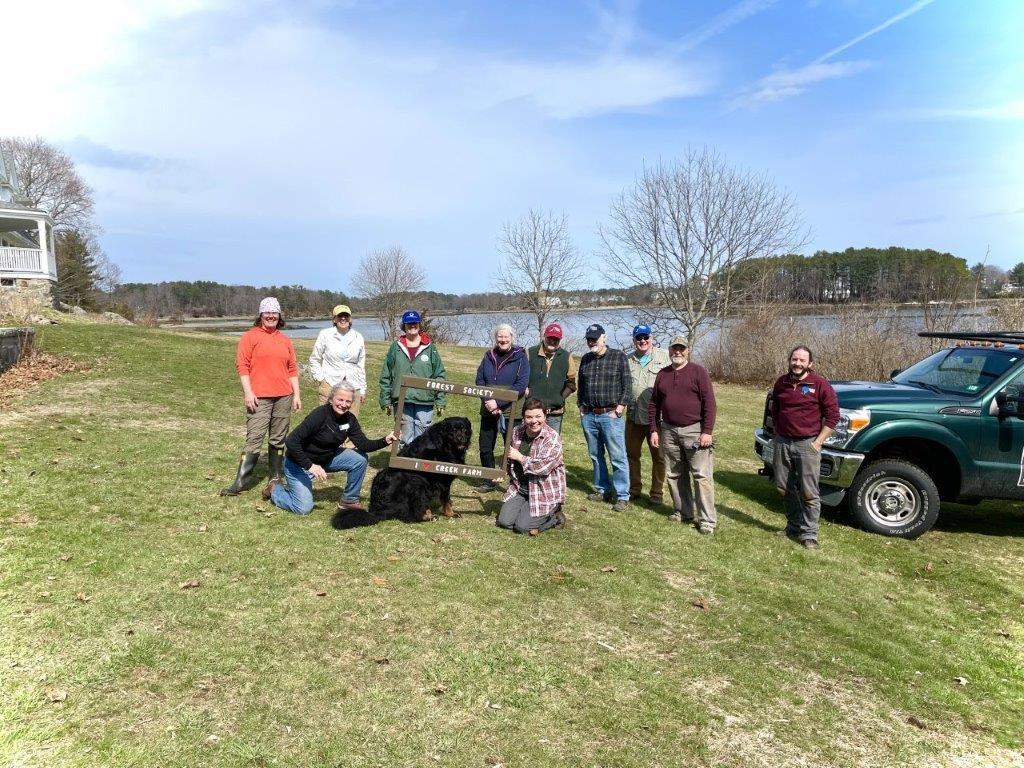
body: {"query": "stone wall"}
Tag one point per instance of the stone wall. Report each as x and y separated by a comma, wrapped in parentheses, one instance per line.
(26, 296)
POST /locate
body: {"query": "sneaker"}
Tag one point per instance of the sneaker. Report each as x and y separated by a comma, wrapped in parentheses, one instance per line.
(597, 496)
(676, 517)
(487, 486)
(621, 505)
(705, 530)
(809, 544)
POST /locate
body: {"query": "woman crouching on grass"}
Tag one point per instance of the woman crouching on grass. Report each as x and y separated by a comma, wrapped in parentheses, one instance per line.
(536, 490)
(314, 451)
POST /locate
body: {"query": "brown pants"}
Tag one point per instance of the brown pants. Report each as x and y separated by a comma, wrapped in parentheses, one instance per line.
(636, 437)
(690, 470)
(270, 419)
(324, 390)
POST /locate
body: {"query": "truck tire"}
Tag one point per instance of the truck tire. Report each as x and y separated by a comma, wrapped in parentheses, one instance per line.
(894, 498)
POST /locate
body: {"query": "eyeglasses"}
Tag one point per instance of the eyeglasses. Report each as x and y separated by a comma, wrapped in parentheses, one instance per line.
(346, 318)
(552, 340)
(642, 338)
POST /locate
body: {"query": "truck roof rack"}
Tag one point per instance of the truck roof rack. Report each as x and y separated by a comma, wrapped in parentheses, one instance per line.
(985, 338)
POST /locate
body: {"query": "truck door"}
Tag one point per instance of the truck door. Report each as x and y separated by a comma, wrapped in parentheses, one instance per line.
(1001, 447)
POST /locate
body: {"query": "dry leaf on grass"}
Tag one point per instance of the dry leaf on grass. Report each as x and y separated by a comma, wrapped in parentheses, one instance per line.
(394, 559)
(56, 695)
(33, 369)
(203, 528)
(960, 680)
(269, 514)
(66, 556)
(190, 584)
(917, 723)
(379, 581)
(261, 508)
(211, 476)
(440, 689)
(702, 603)
(609, 569)
(82, 597)
(321, 593)
(382, 661)
(928, 567)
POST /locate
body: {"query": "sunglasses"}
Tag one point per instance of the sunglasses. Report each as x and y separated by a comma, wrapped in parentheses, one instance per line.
(642, 338)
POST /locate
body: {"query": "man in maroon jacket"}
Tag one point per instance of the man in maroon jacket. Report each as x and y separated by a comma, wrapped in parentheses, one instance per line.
(681, 418)
(805, 410)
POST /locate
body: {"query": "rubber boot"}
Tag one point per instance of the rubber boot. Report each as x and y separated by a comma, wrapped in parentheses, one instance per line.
(245, 468)
(276, 461)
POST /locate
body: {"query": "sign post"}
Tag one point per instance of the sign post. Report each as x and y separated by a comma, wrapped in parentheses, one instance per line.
(450, 388)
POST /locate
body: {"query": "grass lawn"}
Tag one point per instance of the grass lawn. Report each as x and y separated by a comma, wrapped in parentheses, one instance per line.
(624, 640)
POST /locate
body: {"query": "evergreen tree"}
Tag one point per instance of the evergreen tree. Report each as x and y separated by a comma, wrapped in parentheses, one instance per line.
(77, 271)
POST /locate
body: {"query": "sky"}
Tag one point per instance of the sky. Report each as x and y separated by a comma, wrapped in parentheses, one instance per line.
(267, 142)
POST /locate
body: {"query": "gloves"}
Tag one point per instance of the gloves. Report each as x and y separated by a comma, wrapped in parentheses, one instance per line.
(439, 410)
(387, 410)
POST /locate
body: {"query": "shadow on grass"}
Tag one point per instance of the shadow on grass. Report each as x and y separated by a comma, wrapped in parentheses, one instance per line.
(991, 519)
(744, 519)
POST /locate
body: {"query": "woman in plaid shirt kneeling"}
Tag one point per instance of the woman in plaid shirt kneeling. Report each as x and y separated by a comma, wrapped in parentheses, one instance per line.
(533, 502)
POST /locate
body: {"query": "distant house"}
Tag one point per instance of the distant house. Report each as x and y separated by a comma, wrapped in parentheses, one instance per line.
(28, 267)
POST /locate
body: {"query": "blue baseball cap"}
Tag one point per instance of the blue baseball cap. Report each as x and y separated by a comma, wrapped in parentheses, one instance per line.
(412, 316)
(594, 331)
(641, 330)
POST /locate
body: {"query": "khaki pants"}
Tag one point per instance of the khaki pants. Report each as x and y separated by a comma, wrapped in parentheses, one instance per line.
(636, 438)
(270, 419)
(689, 469)
(324, 390)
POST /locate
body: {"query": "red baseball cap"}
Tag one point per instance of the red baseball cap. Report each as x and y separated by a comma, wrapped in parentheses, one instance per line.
(553, 330)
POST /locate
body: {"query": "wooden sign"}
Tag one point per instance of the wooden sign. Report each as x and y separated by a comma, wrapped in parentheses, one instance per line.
(465, 471)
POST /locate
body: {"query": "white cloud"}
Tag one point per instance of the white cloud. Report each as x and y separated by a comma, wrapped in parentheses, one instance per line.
(792, 82)
(1007, 111)
(728, 18)
(875, 30)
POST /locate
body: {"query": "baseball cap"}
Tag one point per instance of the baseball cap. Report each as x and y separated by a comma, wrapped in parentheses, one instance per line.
(641, 330)
(594, 331)
(341, 309)
(412, 316)
(554, 330)
(678, 341)
(270, 304)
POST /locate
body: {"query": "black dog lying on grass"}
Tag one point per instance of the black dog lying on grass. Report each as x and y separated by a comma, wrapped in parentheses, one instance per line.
(406, 494)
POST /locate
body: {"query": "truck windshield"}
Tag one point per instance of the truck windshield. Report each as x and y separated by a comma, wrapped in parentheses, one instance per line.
(967, 371)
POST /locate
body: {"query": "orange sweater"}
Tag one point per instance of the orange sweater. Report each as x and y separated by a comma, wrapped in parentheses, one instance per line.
(268, 359)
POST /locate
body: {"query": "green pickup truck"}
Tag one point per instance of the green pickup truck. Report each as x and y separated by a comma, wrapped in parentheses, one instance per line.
(948, 428)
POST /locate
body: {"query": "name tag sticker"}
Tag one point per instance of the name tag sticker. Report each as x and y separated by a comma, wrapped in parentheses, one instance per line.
(424, 358)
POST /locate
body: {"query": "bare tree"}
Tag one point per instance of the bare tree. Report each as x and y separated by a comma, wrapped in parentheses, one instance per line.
(539, 260)
(47, 177)
(683, 228)
(386, 279)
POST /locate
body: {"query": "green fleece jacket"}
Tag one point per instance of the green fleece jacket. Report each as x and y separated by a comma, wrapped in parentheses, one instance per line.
(424, 361)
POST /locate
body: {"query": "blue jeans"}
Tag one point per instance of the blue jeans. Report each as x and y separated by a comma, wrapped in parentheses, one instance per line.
(416, 419)
(607, 432)
(298, 496)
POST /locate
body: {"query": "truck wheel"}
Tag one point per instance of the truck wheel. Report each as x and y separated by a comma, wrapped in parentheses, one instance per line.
(894, 498)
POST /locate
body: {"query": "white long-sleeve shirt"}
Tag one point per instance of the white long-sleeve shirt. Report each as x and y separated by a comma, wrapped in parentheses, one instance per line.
(338, 356)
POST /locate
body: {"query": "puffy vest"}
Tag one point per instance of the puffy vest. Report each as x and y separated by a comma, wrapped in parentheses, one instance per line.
(546, 385)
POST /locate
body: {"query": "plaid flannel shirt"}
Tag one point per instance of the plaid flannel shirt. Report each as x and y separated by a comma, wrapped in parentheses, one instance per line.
(603, 380)
(544, 469)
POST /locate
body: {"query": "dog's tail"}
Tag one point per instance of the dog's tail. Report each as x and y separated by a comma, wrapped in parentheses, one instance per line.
(344, 519)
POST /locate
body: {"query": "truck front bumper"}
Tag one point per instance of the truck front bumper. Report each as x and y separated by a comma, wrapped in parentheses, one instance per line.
(838, 468)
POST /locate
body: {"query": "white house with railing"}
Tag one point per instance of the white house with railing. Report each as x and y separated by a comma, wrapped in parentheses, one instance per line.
(28, 266)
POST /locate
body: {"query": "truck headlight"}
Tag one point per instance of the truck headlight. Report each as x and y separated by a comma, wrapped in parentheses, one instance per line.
(851, 421)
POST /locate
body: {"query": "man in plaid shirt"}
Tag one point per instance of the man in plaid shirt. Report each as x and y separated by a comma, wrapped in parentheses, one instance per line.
(603, 391)
(536, 490)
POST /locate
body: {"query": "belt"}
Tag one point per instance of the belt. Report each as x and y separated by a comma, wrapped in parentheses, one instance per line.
(599, 409)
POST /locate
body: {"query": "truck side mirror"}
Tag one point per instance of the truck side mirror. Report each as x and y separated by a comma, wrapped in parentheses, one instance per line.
(1010, 402)
(895, 372)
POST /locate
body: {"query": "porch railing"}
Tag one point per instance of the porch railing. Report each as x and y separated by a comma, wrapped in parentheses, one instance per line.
(27, 260)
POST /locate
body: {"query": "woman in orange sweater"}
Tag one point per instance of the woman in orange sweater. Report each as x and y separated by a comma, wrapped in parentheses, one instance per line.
(270, 382)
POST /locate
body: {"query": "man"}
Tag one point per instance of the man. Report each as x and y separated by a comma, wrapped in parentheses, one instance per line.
(536, 490)
(552, 375)
(644, 363)
(412, 354)
(805, 410)
(602, 396)
(681, 420)
(339, 353)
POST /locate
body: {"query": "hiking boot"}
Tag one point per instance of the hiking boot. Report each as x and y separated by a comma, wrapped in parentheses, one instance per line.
(243, 479)
(705, 530)
(599, 496)
(657, 499)
(350, 506)
(809, 544)
(559, 519)
(676, 517)
(487, 486)
(268, 489)
(621, 505)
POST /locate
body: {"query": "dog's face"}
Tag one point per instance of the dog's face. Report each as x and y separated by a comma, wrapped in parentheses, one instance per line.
(458, 431)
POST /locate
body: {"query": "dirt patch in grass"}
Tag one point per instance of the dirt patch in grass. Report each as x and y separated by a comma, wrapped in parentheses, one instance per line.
(74, 392)
(33, 370)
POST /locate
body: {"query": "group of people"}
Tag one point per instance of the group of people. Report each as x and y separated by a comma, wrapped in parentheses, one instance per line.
(648, 396)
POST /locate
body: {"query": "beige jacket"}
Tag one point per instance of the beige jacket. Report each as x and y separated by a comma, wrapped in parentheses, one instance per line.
(642, 378)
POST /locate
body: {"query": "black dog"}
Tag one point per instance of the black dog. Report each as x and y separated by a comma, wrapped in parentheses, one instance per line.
(406, 494)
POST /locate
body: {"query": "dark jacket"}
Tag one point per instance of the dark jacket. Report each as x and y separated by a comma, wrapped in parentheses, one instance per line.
(512, 372)
(800, 408)
(317, 439)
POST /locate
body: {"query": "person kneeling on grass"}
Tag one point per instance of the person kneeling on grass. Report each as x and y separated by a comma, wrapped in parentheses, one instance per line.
(536, 490)
(314, 450)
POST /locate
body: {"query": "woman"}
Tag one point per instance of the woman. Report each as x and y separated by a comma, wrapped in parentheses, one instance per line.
(536, 489)
(265, 360)
(340, 353)
(504, 365)
(315, 450)
(412, 354)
